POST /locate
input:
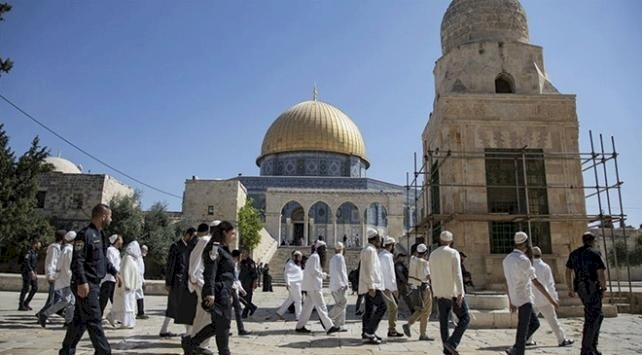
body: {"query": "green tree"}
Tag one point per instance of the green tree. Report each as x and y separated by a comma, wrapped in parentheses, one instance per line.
(158, 234)
(127, 216)
(5, 64)
(18, 188)
(249, 226)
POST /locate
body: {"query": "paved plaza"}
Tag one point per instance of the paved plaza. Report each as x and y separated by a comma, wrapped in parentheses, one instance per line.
(20, 334)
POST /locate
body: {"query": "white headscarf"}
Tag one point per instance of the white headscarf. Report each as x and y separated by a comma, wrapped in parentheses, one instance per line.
(133, 249)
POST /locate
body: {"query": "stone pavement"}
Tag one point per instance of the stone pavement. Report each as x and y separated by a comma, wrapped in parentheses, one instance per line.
(20, 334)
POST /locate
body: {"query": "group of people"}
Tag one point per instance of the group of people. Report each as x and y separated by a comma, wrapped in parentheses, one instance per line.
(207, 279)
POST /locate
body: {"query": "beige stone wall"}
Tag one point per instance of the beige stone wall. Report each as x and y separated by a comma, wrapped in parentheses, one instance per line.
(468, 124)
(225, 197)
(70, 198)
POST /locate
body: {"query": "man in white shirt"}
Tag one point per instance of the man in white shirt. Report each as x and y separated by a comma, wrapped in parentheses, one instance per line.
(51, 260)
(545, 277)
(312, 284)
(371, 285)
(386, 259)
(419, 278)
(108, 283)
(196, 282)
(62, 284)
(293, 275)
(520, 275)
(338, 286)
(448, 288)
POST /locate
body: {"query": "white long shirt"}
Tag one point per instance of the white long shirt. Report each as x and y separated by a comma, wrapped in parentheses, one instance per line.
(519, 272)
(418, 271)
(446, 278)
(293, 274)
(338, 272)
(196, 265)
(388, 270)
(545, 277)
(313, 275)
(63, 268)
(113, 255)
(53, 253)
(370, 277)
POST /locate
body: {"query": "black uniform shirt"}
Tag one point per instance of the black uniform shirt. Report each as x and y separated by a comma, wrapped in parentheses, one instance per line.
(30, 261)
(218, 275)
(89, 262)
(585, 261)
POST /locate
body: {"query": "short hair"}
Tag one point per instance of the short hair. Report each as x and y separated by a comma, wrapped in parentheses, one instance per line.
(588, 237)
(203, 228)
(60, 234)
(99, 210)
(236, 253)
(190, 230)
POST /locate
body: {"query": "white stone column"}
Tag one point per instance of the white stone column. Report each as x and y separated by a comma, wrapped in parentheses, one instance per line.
(305, 228)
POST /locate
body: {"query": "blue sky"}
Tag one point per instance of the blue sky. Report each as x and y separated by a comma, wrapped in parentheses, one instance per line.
(166, 90)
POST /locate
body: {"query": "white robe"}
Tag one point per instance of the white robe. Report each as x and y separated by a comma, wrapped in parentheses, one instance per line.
(124, 307)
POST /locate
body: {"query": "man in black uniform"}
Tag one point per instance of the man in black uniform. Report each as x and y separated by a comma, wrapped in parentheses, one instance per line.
(248, 275)
(585, 275)
(88, 266)
(29, 276)
(176, 280)
(218, 276)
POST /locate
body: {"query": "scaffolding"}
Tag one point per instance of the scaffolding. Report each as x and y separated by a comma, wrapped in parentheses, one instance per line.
(424, 215)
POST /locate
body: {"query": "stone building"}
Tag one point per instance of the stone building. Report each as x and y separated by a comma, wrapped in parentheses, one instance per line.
(66, 195)
(312, 183)
(501, 144)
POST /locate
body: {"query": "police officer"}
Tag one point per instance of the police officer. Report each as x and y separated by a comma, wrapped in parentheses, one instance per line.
(29, 276)
(218, 275)
(88, 266)
(585, 275)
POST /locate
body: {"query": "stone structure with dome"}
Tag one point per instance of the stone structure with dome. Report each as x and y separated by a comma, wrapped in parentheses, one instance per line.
(312, 183)
(66, 195)
(501, 143)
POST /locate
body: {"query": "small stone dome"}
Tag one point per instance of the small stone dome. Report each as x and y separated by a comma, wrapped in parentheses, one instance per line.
(313, 126)
(62, 165)
(467, 21)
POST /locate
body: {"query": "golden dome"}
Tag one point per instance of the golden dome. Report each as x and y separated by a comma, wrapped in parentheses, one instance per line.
(313, 126)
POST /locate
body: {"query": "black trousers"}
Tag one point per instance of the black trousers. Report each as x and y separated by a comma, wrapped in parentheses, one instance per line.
(445, 305)
(248, 301)
(28, 286)
(87, 316)
(236, 302)
(106, 293)
(592, 299)
(375, 309)
(527, 324)
(357, 305)
(220, 329)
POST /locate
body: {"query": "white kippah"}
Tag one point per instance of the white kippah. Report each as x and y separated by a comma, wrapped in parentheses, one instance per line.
(113, 238)
(70, 236)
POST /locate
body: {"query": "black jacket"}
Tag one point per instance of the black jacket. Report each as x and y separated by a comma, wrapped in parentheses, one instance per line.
(89, 263)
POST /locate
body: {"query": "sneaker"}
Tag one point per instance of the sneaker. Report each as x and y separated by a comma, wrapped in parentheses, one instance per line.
(425, 338)
(531, 343)
(567, 342)
(394, 334)
(451, 349)
(254, 308)
(371, 339)
(406, 329)
(333, 329)
(302, 330)
(244, 332)
(23, 308)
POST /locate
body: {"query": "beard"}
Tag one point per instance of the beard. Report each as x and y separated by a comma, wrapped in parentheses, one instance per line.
(322, 256)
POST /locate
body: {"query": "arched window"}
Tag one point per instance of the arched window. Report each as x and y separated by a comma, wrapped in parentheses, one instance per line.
(504, 84)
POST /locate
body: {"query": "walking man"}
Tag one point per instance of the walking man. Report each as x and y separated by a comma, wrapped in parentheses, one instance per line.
(419, 279)
(196, 281)
(248, 275)
(390, 284)
(371, 285)
(108, 284)
(541, 305)
(62, 282)
(312, 284)
(338, 286)
(520, 275)
(293, 275)
(448, 288)
(29, 276)
(88, 266)
(51, 260)
(585, 275)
